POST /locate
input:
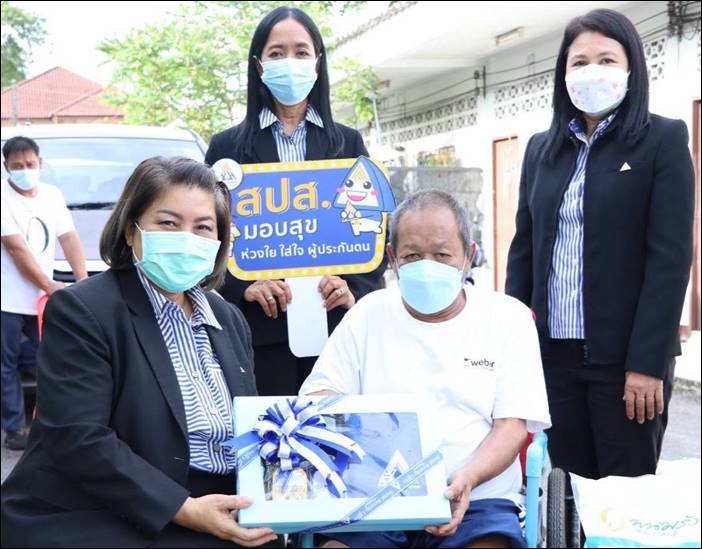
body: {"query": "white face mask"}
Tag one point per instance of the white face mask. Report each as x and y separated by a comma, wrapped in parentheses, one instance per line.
(597, 89)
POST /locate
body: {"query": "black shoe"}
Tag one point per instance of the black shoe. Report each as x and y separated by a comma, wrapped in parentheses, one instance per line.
(16, 440)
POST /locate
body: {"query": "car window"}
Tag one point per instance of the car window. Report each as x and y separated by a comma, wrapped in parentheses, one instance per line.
(92, 171)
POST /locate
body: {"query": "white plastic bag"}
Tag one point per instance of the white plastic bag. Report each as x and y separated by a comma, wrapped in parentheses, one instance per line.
(661, 510)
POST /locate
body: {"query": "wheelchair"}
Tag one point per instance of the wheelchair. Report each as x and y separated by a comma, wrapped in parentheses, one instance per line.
(558, 525)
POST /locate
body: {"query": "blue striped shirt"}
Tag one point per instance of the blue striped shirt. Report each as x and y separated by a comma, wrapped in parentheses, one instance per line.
(565, 284)
(208, 404)
(291, 148)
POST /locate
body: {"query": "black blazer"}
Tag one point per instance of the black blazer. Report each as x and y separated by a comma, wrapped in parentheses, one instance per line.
(637, 247)
(265, 330)
(107, 459)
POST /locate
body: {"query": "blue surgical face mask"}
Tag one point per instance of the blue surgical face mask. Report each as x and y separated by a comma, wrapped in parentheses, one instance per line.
(290, 80)
(25, 179)
(176, 261)
(429, 286)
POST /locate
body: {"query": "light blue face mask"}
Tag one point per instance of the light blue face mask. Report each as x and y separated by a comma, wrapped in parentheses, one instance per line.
(176, 261)
(290, 80)
(429, 286)
(25, 179)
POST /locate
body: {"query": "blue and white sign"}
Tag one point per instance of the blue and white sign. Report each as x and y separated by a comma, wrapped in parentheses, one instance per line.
(309, 218)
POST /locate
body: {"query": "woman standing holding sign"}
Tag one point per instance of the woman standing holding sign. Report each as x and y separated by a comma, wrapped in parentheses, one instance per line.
(288, 119)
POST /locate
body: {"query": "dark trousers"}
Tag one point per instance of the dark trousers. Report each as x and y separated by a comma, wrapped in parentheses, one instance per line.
(591, 435)
(16, 353)
(278, 371)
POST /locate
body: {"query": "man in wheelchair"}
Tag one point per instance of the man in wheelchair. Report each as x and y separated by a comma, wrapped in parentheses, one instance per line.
(475, 351)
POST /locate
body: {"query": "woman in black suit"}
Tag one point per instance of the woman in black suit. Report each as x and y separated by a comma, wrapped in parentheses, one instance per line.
(288, 119)
(137, 370)
(603, 249)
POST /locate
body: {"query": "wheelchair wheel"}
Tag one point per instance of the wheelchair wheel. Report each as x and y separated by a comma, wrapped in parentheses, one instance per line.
(556, 513)
(574, 532)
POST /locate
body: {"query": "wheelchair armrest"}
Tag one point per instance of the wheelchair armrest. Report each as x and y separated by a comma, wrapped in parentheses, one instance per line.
(536, 456)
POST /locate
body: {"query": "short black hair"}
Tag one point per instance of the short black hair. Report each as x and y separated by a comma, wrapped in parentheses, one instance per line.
(150, 180)
(259, 96)
(19, 144)
(633, 116)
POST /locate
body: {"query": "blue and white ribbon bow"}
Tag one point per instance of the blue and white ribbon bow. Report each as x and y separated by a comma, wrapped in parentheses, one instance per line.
(292, 431)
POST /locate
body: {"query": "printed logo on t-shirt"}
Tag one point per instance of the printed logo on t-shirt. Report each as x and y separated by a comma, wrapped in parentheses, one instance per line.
(37, 236)
(483, 363)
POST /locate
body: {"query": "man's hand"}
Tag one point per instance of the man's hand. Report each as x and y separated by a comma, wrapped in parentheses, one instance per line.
(216, 514)
(643, 395)
(496, 453)
(458, 493)
(54, 286)
(271, 295)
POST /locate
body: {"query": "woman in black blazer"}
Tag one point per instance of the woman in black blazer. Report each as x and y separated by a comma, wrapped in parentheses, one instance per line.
(603, 249)
(137, 369)
(288, 119)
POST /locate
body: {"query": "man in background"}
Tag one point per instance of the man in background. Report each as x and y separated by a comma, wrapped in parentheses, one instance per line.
(34, 215)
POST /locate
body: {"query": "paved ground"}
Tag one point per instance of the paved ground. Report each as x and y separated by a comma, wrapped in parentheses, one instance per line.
(682, 438)
(687, 366)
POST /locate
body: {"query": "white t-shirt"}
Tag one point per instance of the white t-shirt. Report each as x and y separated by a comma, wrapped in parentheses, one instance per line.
(482, 365)
(40, 220)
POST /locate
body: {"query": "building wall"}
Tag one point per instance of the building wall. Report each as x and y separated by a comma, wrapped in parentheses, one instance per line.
(517, 103)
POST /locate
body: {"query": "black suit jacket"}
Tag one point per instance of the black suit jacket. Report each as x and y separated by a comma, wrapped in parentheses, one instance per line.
(107, 460)
(265, 330)
(637, 246)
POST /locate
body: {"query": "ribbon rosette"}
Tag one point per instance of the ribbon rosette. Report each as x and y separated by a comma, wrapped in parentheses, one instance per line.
(292, 431)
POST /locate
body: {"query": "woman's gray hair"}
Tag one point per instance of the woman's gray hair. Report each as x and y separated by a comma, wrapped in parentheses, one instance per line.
(428, 199)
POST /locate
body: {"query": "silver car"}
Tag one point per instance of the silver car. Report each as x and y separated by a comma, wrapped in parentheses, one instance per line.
(90, 163)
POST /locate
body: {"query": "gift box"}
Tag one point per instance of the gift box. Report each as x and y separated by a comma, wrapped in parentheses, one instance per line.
(342, 463)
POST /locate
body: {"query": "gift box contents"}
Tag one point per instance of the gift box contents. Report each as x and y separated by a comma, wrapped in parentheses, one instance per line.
(391, 443)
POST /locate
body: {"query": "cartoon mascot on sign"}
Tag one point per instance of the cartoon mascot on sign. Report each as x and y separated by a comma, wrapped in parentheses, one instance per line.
(363, 196)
